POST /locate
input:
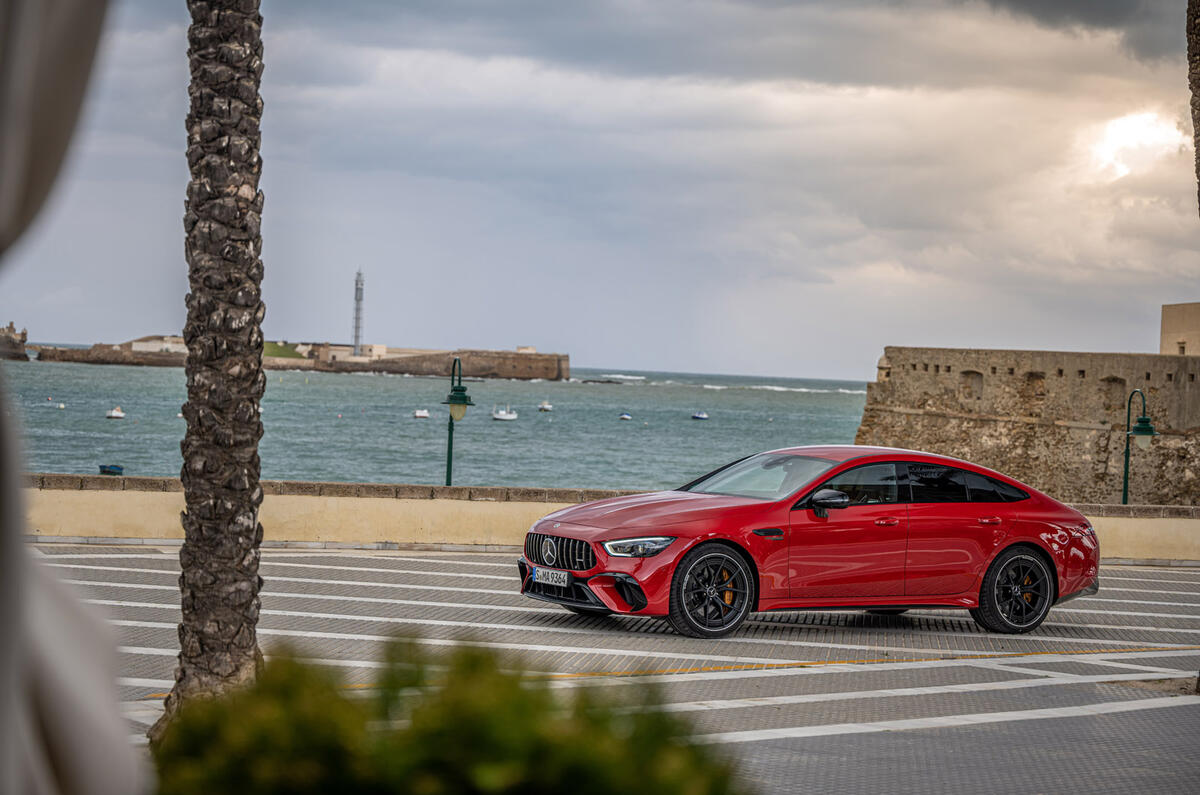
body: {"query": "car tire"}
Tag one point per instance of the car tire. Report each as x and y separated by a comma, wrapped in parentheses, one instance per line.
(713, 591)
(583, 611)
(887, 611)
(1017, 592)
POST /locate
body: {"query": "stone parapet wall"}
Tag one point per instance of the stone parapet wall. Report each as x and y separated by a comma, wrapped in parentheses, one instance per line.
(297, 513)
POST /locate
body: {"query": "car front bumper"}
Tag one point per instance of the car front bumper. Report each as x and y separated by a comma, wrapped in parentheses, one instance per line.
(614, 584)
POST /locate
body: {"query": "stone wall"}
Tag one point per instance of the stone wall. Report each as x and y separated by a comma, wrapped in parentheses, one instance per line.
(134, 510)
(1055, 420)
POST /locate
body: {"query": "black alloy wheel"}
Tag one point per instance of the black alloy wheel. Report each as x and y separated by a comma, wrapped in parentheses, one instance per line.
(1017, 592)
(712, 592)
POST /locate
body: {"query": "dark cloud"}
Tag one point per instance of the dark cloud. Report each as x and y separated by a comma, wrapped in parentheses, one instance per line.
(697, 185)
(1149, 28)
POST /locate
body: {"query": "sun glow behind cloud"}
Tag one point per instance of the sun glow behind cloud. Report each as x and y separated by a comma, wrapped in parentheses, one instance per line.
(1134, 142)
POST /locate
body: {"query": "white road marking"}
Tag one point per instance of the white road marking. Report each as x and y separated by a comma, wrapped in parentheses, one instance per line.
(133, 681)
(550, 629)
(946, 721)
(1047, 679)
(1179, 604)
(268, 594)
(1124, 612)
(289, 633)
(315, 580)
(1147, 590)
(1104, 577)
(269, 556)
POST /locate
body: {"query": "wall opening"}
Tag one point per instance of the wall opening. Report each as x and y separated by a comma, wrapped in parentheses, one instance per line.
(1032, 393)
(1112, 388)
(970, 385)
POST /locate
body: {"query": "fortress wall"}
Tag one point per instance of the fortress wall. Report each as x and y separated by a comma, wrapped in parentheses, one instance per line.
(476, 363)
(1063, 434)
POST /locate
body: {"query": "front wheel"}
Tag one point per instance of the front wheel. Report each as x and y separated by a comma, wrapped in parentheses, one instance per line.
(1017, 592)
(712, 592)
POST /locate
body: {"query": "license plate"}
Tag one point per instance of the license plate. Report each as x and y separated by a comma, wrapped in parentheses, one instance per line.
(551, 577)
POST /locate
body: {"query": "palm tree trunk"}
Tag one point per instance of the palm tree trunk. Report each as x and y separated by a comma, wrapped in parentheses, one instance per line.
(219, 558)
(1193, 60)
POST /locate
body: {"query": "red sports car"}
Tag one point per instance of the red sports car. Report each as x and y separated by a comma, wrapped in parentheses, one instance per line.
(831, 527)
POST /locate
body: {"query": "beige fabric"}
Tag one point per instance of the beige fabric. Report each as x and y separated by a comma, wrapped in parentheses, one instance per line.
(60, 726)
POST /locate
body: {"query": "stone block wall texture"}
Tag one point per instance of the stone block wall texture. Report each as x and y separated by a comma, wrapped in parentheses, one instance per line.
(1055, 420)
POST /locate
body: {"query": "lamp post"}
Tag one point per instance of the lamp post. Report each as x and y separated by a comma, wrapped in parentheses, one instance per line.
(458, 401)
(1142, 432)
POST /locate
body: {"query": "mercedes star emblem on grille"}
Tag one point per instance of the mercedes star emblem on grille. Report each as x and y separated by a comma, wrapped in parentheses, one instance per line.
(548, 551)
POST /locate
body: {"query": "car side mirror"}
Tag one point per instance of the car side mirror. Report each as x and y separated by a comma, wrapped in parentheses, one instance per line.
(825, 499)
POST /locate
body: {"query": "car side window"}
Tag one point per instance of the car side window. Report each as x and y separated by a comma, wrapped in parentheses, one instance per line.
(983, 489)
(873, 484)
(936, 483)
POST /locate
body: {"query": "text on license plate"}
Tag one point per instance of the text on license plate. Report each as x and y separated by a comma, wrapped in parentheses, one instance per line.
(551, 577)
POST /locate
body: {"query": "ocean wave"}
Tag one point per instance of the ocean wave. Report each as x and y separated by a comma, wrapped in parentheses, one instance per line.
(774, 388)
(853, 391)
(713, 386)
(623, 377)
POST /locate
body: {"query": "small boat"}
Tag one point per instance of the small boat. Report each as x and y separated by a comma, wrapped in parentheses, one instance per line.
(115, 414)
(700, 415)
(545, 405)
(112, 469)
(625, 415)
(421, 414)
(506, 413)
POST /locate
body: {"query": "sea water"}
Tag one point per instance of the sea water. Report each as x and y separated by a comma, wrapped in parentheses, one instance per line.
(360, 428)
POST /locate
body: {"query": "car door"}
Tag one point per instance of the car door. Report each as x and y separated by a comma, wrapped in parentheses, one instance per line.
(949, 536)
(856, 551)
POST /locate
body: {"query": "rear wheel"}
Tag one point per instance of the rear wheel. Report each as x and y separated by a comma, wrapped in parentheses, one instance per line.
(1017, 592)
(712, 592)
(887, 611)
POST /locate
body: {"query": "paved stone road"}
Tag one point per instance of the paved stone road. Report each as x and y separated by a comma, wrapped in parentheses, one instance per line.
(836, 701)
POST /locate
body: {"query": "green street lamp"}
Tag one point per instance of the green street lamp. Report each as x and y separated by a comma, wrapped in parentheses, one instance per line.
(1141, 432)
(458, 401)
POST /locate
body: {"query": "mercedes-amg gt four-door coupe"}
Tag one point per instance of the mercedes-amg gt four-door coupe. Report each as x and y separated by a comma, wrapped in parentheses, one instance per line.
(829, 527)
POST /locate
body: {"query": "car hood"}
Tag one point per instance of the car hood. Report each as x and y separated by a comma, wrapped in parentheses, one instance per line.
(644, 511)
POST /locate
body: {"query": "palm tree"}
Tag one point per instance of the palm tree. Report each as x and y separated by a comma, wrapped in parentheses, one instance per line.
(219, 557)
(1193, 59)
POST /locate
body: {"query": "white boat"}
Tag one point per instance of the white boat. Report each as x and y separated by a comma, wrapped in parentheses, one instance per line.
(625, 415)
(421, 414)
(506, 413)
(700, 415)
(115, 414)
(545, 405)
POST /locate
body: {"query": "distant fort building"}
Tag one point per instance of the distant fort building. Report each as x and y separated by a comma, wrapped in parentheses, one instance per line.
(1180, 329)
(1055, 419)
(12, 343)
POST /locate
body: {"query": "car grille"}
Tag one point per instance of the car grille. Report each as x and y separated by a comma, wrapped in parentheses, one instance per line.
(569, 553)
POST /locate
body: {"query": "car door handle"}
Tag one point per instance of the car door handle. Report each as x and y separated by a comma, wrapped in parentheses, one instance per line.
(887, 521)
(989, 520)
(769, 532)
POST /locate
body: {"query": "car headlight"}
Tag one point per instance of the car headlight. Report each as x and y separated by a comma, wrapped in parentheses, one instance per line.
(638, 547)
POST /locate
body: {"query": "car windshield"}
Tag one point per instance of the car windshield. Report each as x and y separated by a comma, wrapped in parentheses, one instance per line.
(766, 476)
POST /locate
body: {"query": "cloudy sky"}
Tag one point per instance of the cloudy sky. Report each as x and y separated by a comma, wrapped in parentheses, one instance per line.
(762, 187)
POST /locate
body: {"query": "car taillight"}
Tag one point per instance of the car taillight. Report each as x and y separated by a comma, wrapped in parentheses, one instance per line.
(1083, 531)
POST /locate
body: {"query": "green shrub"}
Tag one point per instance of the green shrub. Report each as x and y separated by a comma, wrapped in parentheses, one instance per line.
(472, 728)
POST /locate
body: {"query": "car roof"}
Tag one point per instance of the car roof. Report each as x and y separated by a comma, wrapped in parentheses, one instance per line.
(848, 452)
